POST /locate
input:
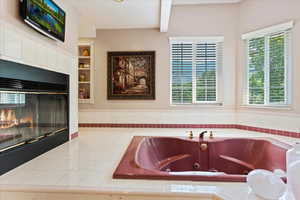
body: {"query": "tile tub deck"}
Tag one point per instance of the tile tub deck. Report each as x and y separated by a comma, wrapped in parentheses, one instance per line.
(83, 168)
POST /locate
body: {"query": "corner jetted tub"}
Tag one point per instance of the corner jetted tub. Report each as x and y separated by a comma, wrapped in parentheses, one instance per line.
(217, 159)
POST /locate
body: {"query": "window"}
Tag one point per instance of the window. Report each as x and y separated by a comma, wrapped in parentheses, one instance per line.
(194, 70)
(267, 68)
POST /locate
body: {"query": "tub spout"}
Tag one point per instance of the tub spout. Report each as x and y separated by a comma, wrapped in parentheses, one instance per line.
(201, 135)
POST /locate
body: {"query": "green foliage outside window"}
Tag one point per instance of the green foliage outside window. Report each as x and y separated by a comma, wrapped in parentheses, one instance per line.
(266, 54)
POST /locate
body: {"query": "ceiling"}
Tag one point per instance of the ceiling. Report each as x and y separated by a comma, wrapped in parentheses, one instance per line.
(108, 14)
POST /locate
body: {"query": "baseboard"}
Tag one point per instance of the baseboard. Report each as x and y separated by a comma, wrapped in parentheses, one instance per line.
(223, 126)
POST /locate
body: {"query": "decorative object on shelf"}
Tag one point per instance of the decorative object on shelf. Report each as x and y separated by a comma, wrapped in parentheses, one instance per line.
(86, 72)
(82, 78)
(86, 52)
(266, 184)
(82, 93)
(131, 75)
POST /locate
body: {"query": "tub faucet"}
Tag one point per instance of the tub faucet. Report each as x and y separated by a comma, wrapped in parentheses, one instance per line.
(201, 135)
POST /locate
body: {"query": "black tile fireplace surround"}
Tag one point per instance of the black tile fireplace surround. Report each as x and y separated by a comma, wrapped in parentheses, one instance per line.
(34, 113)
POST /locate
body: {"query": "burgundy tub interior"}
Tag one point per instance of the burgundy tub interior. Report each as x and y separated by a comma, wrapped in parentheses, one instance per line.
(225, 159)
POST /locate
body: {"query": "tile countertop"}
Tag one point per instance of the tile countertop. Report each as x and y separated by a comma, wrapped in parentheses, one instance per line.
(86, 164)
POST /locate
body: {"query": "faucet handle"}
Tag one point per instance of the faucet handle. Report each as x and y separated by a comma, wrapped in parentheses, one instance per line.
(211, 136)
(190, 134)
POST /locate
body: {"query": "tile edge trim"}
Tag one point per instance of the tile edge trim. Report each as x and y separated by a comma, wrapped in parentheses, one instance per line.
(74, 135)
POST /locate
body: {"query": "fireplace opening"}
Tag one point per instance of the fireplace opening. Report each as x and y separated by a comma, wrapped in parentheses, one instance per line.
(26, 117)
(34, 112)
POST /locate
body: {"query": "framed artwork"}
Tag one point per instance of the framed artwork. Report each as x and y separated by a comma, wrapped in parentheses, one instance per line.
(131, 75)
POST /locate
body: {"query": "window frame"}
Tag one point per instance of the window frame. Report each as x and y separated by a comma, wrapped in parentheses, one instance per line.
(219, 41)
(287, 69)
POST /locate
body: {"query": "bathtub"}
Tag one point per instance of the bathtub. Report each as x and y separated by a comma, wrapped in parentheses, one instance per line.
(217, 159)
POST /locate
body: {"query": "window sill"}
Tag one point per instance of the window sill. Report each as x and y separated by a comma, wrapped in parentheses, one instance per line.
(214, 104)
(274, 107)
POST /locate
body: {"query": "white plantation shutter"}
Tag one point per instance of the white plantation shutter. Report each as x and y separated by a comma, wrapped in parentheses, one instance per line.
(268, 63)
(182, 73)
(256, 70)
(194, 70)
(207, 61)
(279, 45)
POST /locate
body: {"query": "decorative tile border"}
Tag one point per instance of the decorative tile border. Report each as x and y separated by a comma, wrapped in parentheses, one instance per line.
(108, 125)
(74, 135)
(236, 126)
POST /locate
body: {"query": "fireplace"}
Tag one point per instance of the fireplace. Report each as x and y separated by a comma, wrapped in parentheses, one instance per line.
(34, 112)
(26, 117)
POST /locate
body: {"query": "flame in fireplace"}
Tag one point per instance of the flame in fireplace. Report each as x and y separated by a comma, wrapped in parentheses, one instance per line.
(8, 119)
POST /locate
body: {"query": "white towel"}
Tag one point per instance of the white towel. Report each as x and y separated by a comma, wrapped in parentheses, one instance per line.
(266, 184)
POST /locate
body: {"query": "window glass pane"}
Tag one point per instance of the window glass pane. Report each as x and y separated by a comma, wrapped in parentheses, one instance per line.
(182, 65)
(256, 67)
(277, 68)
(206, 64)
(24, 117)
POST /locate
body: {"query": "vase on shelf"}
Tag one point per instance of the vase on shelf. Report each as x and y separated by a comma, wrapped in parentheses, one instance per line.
(86, 52)
(82, 93)
(82, 78)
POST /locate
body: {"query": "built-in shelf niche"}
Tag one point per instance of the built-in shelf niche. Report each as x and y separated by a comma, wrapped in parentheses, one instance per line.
(85, 72)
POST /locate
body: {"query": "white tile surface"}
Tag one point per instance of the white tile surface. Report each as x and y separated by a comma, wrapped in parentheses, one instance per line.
(12, 44)
(41, 56)
(171, 116)
(52, 58)
(1, 41)
(86, 165)
(28, 51)
(19, 46)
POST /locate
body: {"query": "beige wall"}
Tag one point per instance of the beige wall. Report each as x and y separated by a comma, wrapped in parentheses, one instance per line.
(185, 21)
(257, 14)
(10, 14)
(228, 20)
